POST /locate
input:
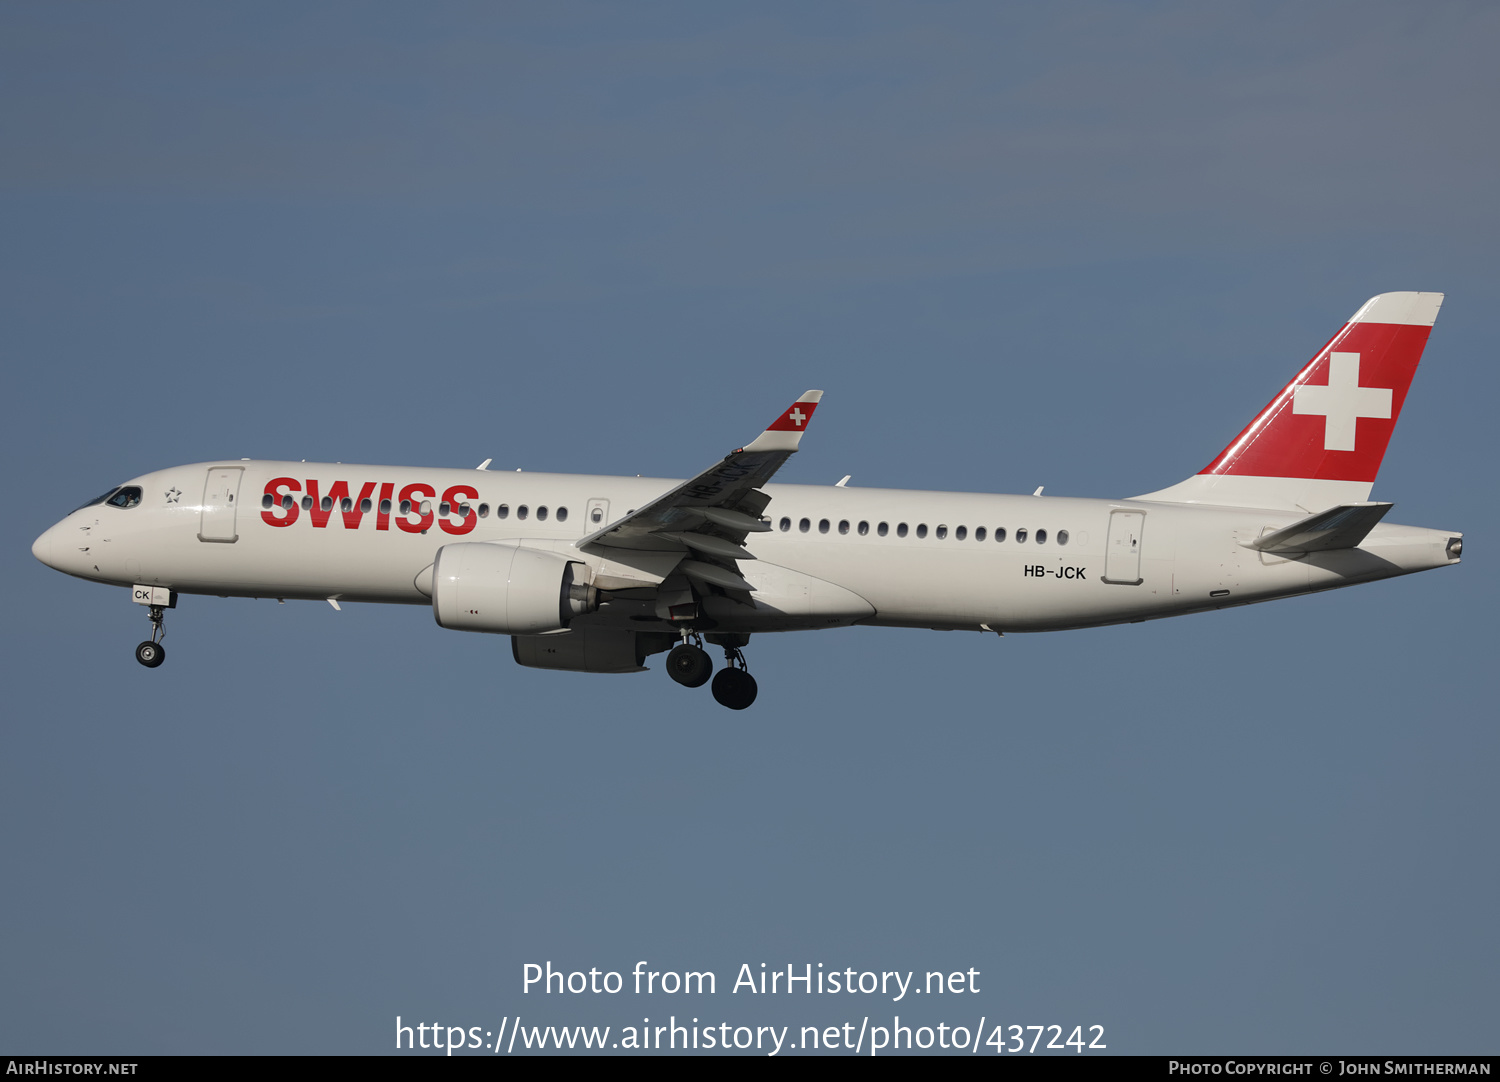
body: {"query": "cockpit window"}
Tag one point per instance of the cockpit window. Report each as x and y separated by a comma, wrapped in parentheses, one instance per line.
(128, 496)
(98, 499)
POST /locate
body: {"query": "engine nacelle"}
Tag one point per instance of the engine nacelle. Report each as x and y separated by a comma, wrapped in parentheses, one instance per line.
(508, 589)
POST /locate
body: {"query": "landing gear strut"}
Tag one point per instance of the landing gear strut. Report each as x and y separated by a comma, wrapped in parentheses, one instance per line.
(151, 653)
(734, 687)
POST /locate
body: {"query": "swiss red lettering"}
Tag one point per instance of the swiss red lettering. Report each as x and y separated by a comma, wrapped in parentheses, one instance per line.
(338, 497)
(276, 514)
(338, 491)
(356, 512)
(416, 494)
(383, 513)
(455, 496)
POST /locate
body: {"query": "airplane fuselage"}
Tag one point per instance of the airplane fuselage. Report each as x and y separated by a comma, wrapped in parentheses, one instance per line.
(833, 555)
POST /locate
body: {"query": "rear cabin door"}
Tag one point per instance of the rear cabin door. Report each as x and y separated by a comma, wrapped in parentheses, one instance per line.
(220, 494)
(1122, 553)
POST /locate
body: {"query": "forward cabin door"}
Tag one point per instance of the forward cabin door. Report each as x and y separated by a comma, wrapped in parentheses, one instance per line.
(1122, 553)
(220, 493)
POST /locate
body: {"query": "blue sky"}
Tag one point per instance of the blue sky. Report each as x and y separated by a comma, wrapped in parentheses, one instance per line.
(1072, 245)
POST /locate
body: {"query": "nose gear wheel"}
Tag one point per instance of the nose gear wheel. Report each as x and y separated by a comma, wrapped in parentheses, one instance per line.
(151, 652)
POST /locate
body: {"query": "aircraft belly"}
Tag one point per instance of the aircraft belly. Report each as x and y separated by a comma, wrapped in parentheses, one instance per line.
(339, 564)
(973, 587)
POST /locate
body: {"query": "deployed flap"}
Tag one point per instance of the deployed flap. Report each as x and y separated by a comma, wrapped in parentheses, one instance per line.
(697, 506)
(1341, 527)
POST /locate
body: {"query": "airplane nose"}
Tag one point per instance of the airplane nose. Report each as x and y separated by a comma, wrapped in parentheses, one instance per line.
(41, 548)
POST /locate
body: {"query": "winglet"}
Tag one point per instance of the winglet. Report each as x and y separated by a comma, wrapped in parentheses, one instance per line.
(786, 431)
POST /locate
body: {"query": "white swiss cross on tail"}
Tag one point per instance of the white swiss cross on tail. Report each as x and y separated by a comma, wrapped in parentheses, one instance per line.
(1342, 402)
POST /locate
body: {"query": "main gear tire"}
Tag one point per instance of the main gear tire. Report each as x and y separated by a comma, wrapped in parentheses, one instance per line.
(734, 688)
(689, 665)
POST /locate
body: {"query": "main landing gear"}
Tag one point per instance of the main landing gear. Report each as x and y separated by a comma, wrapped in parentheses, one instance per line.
(689, 665)
(151, 653)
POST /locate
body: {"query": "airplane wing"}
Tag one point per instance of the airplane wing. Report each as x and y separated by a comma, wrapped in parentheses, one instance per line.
(708, 518)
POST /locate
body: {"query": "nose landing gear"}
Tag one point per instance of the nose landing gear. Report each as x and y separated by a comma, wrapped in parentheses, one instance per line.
(151, 653)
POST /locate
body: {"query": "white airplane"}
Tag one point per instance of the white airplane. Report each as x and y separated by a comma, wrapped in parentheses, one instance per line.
(596, 573)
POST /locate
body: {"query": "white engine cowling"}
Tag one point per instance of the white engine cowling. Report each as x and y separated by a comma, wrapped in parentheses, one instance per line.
(508, 589)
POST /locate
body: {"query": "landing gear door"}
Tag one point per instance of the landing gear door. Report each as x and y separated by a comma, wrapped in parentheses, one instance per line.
(595, 516)
(1122, 552)
(220, 494)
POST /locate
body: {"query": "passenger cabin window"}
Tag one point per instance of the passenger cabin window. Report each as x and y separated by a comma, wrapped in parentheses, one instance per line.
(562, 514)
(484, 510)
(999, 533)
(786, 524)
(503, 511)
(979, 533)
(823, 525)
(364, 507)
(864, 528)
(1041, 537)
(804, 525)
(1021, 536)
(942, 532)
(901, 530)
(921, 529)
(882, 529)
(541, 513)
(522, 511)
(1062, 537)
(843, 526)
(961, 533)
(385, 506)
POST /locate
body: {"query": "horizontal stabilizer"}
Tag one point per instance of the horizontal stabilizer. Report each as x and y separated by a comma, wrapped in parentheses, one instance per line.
(1341, 527)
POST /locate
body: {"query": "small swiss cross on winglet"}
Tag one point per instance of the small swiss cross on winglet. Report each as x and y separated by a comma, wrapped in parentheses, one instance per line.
(785, 432)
